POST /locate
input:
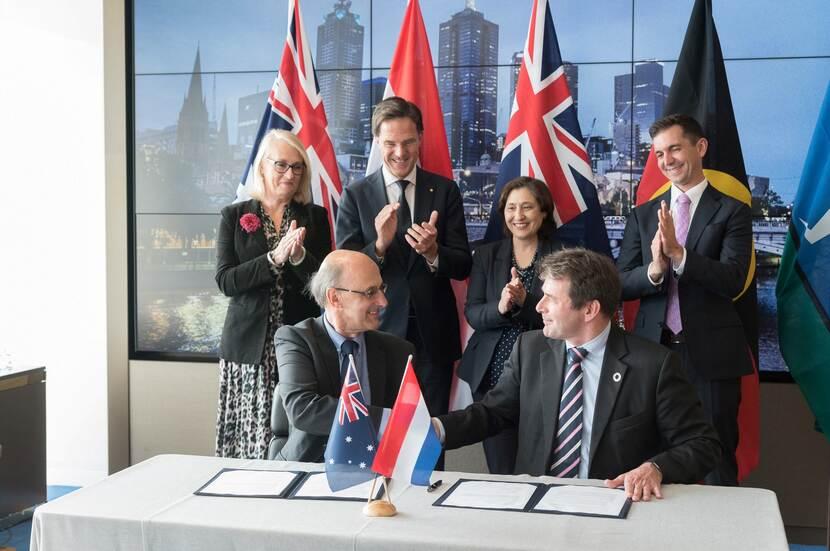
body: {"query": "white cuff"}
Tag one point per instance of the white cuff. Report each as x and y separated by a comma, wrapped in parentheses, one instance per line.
(300, 261)
(439, 428)
(433, 266)
(678, 270)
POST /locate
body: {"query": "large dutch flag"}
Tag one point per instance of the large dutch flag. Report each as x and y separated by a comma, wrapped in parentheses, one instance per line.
(409, 447)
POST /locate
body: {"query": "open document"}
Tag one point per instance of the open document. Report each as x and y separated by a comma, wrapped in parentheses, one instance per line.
(489, 494)
(583, 500)
(536, 498)
(250, 483)
(315, 486)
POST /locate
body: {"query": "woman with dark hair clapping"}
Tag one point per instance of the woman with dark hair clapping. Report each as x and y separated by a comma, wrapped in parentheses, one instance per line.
(502, 296)
(267, 249)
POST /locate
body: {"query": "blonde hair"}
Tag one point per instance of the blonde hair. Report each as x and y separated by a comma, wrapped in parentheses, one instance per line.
(303, 194)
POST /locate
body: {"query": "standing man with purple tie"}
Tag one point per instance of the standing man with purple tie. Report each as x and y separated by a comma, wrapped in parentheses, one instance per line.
(685, 255)
(588, 399)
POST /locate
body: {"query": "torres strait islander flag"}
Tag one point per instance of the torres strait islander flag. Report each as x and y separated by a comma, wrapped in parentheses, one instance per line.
(295, 104)
(803, 288)
(409, 447)
(700, 89)
(544, 141)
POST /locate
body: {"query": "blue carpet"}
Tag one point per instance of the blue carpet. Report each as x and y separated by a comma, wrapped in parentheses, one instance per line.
(17, 537)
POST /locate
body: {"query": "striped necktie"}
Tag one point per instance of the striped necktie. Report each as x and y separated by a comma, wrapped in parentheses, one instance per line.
(568, 442)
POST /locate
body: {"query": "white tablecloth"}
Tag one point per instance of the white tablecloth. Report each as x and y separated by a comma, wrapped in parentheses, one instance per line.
(151, 507)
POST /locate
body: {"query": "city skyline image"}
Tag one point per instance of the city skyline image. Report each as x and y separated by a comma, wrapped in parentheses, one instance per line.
(199, 96)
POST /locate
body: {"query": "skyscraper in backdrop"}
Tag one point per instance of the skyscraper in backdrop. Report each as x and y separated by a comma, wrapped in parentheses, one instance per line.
(638, 102)
(468, 47)
(338, 63)
(571, 76)
(371, 93)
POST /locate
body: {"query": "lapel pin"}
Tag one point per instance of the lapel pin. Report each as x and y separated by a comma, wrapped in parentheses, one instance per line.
(616, 376)
(430, 190)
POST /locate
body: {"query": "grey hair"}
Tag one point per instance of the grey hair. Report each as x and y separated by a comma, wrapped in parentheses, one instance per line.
(325, 278)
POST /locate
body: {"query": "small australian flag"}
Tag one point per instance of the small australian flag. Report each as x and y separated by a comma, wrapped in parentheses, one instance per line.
(352, 440)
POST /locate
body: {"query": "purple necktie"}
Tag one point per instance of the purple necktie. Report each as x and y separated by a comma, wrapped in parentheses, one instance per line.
(681, 230)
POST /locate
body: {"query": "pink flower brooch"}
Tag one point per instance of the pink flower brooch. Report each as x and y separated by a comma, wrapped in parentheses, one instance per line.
(250, 222)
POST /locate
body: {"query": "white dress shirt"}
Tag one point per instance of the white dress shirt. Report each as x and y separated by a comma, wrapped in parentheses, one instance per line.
(591, 370)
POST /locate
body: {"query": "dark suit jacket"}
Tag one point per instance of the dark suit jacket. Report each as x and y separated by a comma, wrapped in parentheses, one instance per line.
(651, 413)
(405, 271)
(310, 382)
(491, 272)
(244, 274)
(718, 256)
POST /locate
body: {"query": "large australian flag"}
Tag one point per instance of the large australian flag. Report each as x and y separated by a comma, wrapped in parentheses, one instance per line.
(352, 440)
(544, 141)
(295, 104)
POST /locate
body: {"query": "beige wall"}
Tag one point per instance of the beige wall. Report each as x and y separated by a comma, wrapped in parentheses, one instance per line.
(115, 158)
(795, 462)
(172, 408)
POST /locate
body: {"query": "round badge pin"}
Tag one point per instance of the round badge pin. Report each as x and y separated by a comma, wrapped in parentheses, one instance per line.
(617, 377)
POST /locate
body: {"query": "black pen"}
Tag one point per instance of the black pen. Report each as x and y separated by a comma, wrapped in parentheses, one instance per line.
(435, 485)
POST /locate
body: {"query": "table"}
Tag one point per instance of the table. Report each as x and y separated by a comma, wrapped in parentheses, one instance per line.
(151, 506)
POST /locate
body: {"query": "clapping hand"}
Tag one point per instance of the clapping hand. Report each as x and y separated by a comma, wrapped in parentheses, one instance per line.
(514, 292)
(290, 246)
(423, 237)
(659, 262)
(668, 238)
(386, 224)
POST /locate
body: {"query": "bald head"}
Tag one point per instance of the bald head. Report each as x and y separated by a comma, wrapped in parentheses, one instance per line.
(348, 286)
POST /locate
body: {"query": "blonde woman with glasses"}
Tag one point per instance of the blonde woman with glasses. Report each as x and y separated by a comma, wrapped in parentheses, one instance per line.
(267, 249)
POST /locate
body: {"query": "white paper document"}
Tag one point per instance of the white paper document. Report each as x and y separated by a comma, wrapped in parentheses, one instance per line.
(486, 494)
(250, 483)
(316, 486)
(586, 500)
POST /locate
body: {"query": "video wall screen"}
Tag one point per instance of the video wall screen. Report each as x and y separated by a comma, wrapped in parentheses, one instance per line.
(202, 72)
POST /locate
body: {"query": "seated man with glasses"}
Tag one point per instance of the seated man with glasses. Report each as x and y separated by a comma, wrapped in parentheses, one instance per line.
(312, 355)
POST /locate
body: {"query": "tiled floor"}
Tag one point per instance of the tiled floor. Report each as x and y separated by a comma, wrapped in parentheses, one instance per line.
(17, 537)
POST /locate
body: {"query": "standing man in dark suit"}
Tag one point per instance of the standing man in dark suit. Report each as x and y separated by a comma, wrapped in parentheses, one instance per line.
(686, 255)
(590, 400)
(411, 222)
(312, 355)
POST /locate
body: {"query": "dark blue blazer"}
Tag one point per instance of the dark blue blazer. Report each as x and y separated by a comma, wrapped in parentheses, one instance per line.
(406, 272)
(718, 256)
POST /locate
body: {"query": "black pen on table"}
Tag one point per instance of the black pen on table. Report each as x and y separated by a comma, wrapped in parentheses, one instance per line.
(435, 485)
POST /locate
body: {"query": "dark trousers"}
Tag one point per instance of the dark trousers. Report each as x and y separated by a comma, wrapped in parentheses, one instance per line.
(500, 450)
(435, 377)
(720, 399)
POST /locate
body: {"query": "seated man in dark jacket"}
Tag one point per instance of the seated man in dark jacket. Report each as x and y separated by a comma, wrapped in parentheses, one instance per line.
(590, 400)
(312, 355)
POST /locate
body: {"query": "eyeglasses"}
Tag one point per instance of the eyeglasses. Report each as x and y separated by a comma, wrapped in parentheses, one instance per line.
(282, 167)
(368, 293)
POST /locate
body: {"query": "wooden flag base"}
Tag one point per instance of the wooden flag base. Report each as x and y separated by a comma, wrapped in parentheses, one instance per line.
(379, 507)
